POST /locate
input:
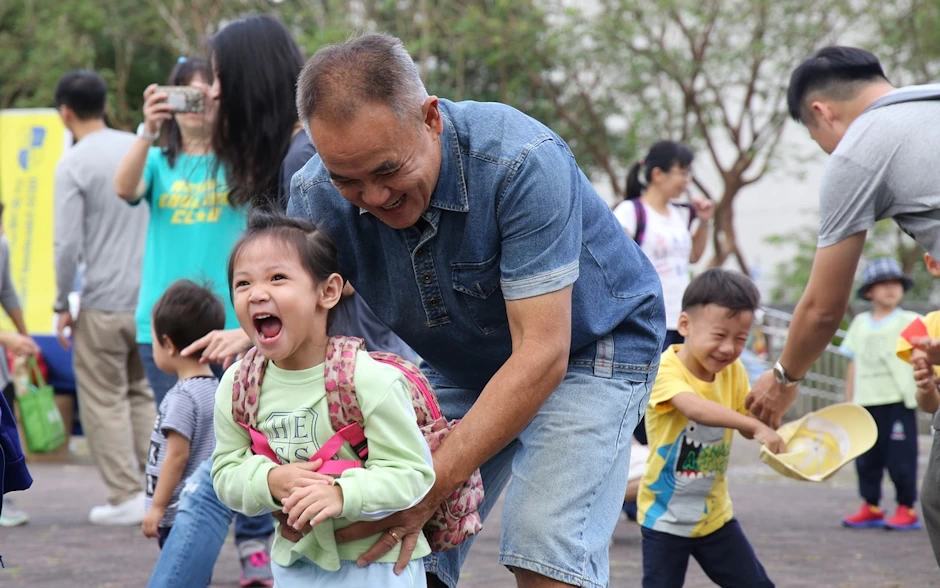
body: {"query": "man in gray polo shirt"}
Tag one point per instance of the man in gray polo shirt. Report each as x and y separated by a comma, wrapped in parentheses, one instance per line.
(883, 164)
(93, 224)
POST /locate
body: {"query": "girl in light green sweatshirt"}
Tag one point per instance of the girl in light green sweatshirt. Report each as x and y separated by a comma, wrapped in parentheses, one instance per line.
(284, 278)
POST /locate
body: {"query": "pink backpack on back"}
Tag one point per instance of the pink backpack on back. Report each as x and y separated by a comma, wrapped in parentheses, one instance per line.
(456, 519)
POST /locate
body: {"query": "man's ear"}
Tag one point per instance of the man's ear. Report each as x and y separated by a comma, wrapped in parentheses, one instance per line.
(933, 266)
(821, 113)
(431, 115)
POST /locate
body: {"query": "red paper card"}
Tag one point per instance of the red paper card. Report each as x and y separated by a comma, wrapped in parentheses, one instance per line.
(915, 330)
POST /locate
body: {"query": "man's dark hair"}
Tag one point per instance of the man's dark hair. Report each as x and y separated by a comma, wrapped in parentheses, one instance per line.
(187, 312)
(835, 72)
(727, 289)
(372, 68)
(84, 92)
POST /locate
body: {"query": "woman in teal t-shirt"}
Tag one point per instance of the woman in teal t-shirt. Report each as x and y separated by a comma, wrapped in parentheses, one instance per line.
(192, 224)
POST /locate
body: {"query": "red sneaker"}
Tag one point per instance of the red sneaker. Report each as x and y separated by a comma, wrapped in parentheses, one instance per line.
(868, 516)
(904, 519)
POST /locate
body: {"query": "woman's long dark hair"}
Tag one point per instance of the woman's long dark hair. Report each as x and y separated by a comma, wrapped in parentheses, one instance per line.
(662, 155)
(257, 63)
(182, 75)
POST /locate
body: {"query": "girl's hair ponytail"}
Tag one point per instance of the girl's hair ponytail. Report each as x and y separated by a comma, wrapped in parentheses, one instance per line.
(636, 183)
(663, 155)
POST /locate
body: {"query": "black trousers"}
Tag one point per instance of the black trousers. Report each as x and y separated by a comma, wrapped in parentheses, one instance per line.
(895, 450)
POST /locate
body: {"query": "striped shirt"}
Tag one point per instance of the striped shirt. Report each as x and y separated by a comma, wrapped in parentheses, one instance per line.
(187, 410)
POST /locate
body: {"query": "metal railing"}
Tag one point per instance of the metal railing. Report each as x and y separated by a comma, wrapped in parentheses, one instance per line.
(823, 385)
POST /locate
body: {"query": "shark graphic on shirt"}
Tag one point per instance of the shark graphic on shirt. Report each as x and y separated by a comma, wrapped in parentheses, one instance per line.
(686, 479)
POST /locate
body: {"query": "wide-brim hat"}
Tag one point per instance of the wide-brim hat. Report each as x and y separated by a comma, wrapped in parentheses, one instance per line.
(885, 269)
(822, 442)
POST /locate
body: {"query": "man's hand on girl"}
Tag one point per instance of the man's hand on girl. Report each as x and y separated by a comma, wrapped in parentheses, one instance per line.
(220, 347)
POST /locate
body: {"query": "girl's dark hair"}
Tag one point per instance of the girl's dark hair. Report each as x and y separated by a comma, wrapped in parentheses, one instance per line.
(662, 155)
(316, 250)
(182, 75)
(257, 63)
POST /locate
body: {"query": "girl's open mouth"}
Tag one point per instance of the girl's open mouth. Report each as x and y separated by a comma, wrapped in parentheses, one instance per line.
(268, 327)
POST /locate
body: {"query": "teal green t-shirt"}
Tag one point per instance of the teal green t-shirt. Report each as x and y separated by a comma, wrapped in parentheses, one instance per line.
(191, 233)
(880, 376)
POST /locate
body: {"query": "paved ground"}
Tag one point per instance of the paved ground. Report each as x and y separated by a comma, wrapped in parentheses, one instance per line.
(794, 528)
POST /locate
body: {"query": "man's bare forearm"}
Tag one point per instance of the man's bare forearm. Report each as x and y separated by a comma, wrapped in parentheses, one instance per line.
(507, 404)
(817, 316)
(809, 335)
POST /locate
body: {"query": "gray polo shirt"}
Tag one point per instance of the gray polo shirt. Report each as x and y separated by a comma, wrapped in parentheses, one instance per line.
(886, 167)
(93, 224)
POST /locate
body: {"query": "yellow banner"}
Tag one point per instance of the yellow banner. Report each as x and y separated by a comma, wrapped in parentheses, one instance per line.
(31, 143)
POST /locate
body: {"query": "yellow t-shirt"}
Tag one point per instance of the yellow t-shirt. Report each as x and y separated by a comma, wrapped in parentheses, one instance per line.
(932, 321)
(684, 491)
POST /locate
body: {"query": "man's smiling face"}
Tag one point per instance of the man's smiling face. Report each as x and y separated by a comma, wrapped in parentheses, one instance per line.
(381, 163)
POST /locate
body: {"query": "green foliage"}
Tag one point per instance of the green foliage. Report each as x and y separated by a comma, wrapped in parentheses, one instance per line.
(884, 240)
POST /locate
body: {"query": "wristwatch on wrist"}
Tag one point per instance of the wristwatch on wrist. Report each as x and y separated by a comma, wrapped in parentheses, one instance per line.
(782, 378)
(143, 134)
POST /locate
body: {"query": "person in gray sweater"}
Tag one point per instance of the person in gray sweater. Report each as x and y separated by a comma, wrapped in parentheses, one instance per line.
(93, 225)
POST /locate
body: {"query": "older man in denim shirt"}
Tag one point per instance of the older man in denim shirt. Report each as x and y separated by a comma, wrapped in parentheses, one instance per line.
(469, 229)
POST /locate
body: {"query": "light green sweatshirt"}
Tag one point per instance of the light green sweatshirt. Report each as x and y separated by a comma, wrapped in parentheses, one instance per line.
(293, 416)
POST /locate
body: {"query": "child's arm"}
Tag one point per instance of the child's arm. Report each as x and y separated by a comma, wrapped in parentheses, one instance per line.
(397, 474)
(239, 477)
(927, 394)
(171, 473)
(712, 414)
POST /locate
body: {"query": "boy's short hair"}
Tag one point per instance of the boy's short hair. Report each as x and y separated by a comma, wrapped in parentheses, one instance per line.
(186, 312)
(85, 92)
(727, 289)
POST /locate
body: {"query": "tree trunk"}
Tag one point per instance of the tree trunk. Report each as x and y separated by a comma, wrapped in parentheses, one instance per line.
(724, 237)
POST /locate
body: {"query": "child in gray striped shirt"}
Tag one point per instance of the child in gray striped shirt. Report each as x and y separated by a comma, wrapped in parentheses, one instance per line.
(182, 436)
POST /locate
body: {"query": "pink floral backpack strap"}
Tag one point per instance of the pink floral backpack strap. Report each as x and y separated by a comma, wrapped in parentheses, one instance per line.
(246, 389)
(340, 389)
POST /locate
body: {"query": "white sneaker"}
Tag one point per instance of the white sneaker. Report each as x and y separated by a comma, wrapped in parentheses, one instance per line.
(12, 515)
(127, 513)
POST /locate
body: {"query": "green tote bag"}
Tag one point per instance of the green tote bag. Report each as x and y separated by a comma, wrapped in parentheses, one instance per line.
(42, 423)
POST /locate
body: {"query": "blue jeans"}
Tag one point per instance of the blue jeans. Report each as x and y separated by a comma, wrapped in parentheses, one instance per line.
(569, 473)
(726, 557)
(199, 531)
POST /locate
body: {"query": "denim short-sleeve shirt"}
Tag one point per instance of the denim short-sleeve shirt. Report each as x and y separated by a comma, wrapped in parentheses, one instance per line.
(512, 217)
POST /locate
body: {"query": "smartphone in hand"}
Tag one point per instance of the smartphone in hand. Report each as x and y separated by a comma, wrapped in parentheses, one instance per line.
(184, 98)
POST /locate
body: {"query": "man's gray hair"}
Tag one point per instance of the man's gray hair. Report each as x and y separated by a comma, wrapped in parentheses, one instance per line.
(373, 68)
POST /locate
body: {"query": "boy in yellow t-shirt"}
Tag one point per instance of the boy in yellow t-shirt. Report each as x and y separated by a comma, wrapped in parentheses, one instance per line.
(926, 376)
(696, 403)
